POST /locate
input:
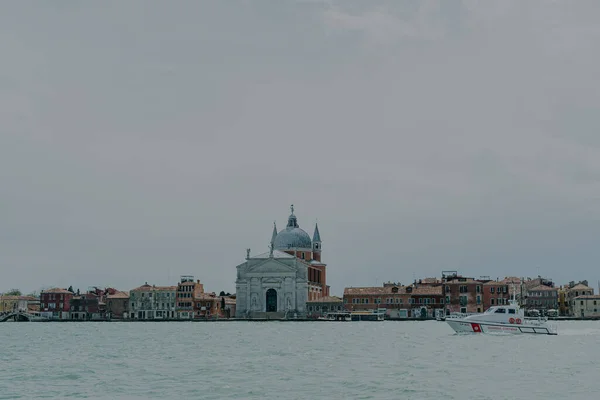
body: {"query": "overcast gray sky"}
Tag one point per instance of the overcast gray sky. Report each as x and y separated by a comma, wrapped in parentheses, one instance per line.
(143, 140)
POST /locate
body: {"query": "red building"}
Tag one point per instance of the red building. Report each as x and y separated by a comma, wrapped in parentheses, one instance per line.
(86, 307)
(208, 305)
(414, 301)
(55, 303)
(462, 294)
(500, 292)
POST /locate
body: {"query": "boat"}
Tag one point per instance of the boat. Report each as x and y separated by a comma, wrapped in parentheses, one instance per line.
(336, 316)
(507, 319)
(366, 315)
(371, 315)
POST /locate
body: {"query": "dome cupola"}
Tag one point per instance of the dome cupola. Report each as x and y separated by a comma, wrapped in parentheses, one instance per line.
(292, 237)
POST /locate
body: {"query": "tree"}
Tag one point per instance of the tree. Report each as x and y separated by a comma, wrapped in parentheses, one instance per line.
(222, 293)
(71, 289)
(13, 292)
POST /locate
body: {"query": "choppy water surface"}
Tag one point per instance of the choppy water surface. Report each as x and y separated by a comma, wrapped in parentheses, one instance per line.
(287, 360)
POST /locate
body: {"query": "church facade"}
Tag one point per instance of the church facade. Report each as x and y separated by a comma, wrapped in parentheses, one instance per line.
(278, 283)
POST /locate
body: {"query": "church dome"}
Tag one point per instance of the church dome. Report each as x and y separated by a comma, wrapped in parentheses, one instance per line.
(292, 236)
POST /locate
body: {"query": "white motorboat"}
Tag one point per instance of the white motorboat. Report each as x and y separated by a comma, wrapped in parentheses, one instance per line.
(509, 319)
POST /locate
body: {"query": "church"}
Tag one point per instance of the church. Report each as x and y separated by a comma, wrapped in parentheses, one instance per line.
(278, 283)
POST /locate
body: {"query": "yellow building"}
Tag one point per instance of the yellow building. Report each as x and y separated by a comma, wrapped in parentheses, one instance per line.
(10, 304)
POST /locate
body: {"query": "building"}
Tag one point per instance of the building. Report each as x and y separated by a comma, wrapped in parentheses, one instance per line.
(188, 291)
(462, 294)
(282, 280)
(574, 290)
(323, 305)
(541, 298)
(208, 306)
(229, 306)
(86, 307)
(10, 304)
(500, 292)
(152, 302)
(55, 303)
(586, 306)
(425, 299)
(273, 282)
(117, 305)
(295, 241)
(414, 301)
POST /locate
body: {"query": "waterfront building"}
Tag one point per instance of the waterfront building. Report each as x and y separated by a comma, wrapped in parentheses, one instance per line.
(573, 291)
(587, 306)
(413, 301)
(229, 308)
(9, 304)
(274, 282)
(117, 305)
(55, 303)
(85, 307)
(282, 280)
(323, 305)
(500, 292)
(208, 305)
(188, 291)
(541, 298)
(152, 302)
(425, 299)
(462, 294)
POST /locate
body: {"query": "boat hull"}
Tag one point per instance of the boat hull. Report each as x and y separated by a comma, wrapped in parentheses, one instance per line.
(466, 326)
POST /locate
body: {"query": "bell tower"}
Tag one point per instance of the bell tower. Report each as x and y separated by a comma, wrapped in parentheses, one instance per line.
(316, 244)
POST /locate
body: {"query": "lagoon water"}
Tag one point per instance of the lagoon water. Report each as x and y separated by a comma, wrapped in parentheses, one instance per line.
(294, 360)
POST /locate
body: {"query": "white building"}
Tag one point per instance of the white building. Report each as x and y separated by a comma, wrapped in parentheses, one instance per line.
(152, 302)
(272, 284)
(586, 306)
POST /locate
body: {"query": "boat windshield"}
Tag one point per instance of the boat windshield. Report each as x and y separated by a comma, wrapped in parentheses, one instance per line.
(490, 310)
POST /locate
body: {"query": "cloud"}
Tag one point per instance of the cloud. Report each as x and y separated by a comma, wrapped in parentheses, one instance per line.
(423, 135)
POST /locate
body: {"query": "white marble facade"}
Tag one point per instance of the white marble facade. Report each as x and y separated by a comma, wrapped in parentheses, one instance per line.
(271, 282)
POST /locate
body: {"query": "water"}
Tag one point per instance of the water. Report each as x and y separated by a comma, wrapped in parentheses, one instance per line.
(293, 360)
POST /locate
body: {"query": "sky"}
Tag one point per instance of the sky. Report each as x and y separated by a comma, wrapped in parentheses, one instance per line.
(144, 140)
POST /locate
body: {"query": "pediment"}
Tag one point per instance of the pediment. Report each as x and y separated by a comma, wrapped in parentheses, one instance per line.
(271, 266)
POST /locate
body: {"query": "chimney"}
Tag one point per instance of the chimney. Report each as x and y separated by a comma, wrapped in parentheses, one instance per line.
(198, 280)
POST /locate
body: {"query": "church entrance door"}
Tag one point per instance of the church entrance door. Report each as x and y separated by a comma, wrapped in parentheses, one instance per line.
(271, 300)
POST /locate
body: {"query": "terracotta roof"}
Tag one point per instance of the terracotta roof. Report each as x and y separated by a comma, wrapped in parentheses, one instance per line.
(541, 288)
(581, 286)
(206, 296)
(10, 297)
(56, 290)
(427, 290)
(148, 288)
(327, 299)
(373, 290)
(119, 295)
